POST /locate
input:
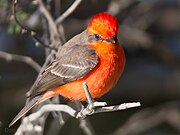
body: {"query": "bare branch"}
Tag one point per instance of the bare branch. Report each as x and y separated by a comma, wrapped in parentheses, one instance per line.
(54, 34)
(29, 120)
(88, 111)
(26, 30)
(50, 108)
(25, 59)
(123, 106)
(98, 107)
(116, 6)
(27, 125)
(68, 11)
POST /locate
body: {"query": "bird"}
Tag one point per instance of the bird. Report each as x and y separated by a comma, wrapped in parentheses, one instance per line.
(94, 56)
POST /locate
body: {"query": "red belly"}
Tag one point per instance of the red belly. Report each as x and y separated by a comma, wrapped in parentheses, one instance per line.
(99, 80)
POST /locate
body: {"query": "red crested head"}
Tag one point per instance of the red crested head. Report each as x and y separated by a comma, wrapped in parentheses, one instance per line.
(104, 25)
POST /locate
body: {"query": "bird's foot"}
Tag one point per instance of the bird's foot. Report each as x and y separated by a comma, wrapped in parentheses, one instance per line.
(90, 109)
(92, 104)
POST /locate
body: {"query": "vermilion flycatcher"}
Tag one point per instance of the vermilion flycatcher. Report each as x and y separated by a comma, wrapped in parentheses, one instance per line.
(93, 56)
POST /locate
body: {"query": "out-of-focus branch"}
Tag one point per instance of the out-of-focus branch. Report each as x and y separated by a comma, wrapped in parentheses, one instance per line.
(25, 29)
(54, 34)
(142, 39)
(86, 127)
(54, 42)
(28, 127)
(69, 11)
(142, 15)
(25, 59)
(116, 6)
(135, 37)
(150, 118)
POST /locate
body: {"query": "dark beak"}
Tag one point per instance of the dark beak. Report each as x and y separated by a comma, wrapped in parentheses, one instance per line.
(112, 40)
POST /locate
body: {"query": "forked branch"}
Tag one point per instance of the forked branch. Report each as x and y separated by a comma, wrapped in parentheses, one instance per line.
(27, 30)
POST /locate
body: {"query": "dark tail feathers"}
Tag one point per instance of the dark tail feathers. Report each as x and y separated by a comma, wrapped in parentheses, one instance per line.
(26, 108)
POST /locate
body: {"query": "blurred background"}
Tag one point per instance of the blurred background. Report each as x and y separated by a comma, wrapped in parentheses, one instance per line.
(150, 35)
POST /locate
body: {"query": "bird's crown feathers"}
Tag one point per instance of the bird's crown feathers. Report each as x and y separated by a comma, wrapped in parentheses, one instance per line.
(104, 25)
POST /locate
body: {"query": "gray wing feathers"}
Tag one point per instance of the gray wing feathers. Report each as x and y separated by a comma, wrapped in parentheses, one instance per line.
(76, 63)
(69, 65)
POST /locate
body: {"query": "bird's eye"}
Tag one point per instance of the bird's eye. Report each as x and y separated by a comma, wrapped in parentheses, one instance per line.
(115, 39)
(97, 36)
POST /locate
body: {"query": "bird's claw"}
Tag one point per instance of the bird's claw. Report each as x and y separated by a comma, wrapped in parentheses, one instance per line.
(84, 112)
(90, 109)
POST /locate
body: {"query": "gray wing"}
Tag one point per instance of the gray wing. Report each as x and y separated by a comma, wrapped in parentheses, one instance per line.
(71, 63)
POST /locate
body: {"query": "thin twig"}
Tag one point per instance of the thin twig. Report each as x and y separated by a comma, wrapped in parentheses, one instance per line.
(25, 29)
(68, 11)
(14, 57)
(123, 106)
(116, 6)
(50, 108)
(27, 125)
(54, 34)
